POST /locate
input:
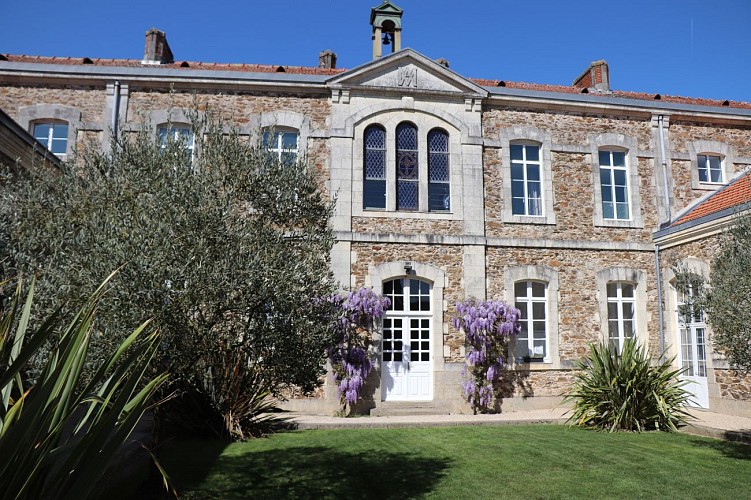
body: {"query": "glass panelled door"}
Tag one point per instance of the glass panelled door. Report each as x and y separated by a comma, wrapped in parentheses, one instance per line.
(406, 347)
(692, 333)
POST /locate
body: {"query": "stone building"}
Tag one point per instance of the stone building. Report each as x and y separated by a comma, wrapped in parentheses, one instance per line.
(449, 188)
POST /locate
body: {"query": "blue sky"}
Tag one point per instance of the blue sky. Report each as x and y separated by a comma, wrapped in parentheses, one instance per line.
(697, 48)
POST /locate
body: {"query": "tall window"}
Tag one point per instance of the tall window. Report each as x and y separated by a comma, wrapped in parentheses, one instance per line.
(526, 183)
(710, 169)
(374, 188)
(693, 336)
(621, 313)
(282, 144)
(439, 190)
(531, 299)
(53, 135)
(406, 325)
(407, 167)
(614, 184)
(181, 134)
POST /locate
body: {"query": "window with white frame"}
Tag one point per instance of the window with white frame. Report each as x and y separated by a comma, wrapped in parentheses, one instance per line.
(526, 180)
(693, 330)
(53, 136)
(531, 298)
(406, 324)
(177, 134)
(374, 168)
(282, 143)
(614, 185)
(710, 168)
(621, 313)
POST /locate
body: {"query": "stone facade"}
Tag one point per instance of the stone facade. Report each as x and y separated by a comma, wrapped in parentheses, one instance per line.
(478, 245)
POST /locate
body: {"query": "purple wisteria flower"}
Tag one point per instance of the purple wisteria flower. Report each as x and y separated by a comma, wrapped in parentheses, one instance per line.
(349, 355)
(487, 326)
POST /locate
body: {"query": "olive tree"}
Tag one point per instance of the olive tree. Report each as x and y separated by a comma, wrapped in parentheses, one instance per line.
(728, 300)
(224, 244)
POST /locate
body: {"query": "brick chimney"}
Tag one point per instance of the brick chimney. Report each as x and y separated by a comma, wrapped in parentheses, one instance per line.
(596, 77)
(327, 60)
(157, 49)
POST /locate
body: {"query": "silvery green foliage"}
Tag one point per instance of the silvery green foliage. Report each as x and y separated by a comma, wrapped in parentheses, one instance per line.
(728, 299)
(224, 250)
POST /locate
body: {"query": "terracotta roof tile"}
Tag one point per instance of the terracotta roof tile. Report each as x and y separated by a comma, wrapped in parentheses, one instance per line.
(304, 70)
(133, 63)
(737, 193)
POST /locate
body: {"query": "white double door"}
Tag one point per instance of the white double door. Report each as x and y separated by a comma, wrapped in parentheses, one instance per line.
(407, 373)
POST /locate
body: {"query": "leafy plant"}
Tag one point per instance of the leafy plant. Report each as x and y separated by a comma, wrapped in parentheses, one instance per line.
(624, 391)
(224, 248)
(728, 300)
(58, 436)
(349, 353)
(488, 326)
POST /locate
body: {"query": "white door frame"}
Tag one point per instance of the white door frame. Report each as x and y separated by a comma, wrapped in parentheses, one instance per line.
(407, 341)
(691, 341)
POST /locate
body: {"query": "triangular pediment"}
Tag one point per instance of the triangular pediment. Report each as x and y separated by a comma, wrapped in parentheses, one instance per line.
(407, 71)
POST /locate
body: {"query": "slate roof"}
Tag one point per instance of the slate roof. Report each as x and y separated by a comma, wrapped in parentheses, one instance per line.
(305, 70)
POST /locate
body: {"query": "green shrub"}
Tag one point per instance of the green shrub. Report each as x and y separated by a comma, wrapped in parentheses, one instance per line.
(624, 391)
(58, 436)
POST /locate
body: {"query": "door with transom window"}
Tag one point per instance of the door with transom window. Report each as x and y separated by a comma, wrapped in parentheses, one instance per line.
(407, 364)
(692, 339)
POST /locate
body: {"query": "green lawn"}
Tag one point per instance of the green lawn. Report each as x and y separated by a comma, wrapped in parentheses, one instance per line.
(525, 461)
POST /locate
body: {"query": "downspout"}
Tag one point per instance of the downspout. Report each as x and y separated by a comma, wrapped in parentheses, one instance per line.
(659, 301)
(116, 110)
(668, 216)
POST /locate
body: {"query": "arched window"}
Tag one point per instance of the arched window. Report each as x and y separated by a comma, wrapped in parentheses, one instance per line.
(439, 187)
(374, 188)
(53, 135)
(407, 167)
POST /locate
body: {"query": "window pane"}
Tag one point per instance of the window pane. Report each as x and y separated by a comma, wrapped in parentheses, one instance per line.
(375, 194)
(628, 310)
(42, 132)
(605, 158)
(517, 189)
(620, 177)
(406, 196)
(522, 306)
(58, 146)
(608, 211)
(289, 140)
(612, 310)
(538, 330)
(516, 152)
(533, 173)
(619, 159)
(627, 290)
(538, 289)
(520, 289)
(620, 194)
(605, 177)
(612, 289)
(517, 206)
(517, 172)
(439, 197)
(60, 131)
(538, 310)
(533, 153)
(622, 210)
(703, 168)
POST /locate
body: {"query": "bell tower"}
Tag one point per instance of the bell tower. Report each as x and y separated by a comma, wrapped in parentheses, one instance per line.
(386, 20)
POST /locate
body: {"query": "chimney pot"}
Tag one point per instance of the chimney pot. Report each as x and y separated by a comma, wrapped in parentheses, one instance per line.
(327, 60)
(157, 50)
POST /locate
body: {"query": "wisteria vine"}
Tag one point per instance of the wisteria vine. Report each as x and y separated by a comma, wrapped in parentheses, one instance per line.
(349, 354)
(488, 326)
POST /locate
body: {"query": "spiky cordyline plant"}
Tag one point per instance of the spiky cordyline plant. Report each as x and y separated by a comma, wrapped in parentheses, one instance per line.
(58, 436)
(624, 391)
